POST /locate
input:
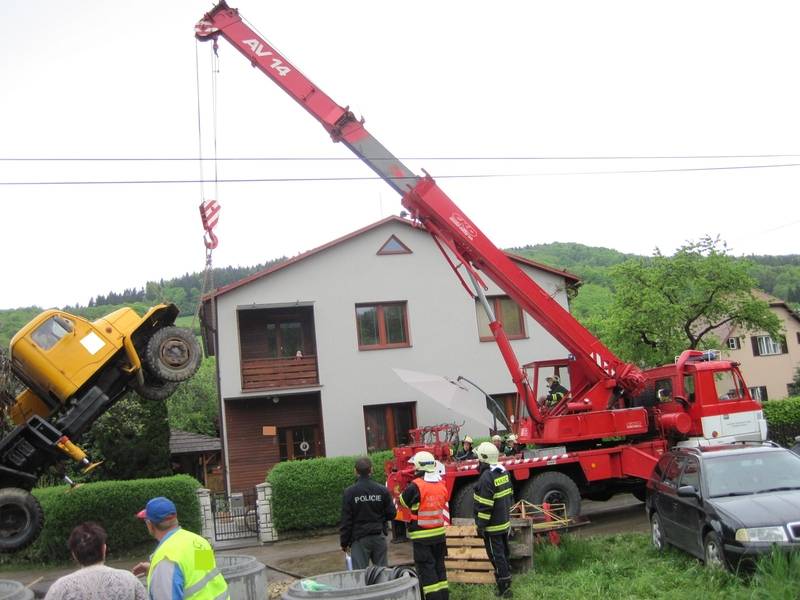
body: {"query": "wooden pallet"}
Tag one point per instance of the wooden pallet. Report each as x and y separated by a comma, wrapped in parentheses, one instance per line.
(467, 561)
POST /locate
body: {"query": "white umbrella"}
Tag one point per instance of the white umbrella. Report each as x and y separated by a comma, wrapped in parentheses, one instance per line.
(449, 394)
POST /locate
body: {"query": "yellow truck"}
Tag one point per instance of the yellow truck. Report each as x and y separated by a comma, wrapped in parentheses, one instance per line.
(70, 371)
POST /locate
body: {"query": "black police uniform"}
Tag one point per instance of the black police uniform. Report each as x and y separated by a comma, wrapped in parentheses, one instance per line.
(367, 507)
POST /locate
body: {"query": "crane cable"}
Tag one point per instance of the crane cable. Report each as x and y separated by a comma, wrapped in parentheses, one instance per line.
(209, 209)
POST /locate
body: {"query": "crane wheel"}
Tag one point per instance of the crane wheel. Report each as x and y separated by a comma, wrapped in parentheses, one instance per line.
(21, 519)
(461, 501)
(553, 487)
(173, 354)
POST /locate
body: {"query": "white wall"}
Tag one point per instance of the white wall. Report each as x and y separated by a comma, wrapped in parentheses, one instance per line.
(442, 328)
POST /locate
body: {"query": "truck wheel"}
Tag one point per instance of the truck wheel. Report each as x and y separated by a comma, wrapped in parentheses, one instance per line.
(657, 533)
(21, 519)
(461, 504)
(152, 389)
(553, 487)
(173, 354)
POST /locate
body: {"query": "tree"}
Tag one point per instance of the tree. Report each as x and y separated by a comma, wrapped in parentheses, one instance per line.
(666, 304)
(194, 406)
(133, 440)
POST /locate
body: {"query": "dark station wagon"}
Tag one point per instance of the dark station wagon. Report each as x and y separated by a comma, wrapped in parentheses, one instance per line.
(727, 503)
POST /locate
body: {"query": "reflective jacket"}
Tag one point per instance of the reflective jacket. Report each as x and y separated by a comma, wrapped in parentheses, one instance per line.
(194, 556)
(427, 501)
(492, 500)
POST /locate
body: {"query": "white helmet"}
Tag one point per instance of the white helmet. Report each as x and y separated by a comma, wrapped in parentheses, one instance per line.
(487, 453)
(467, 440)
(511, 438)
(424, 461)
(497, 438)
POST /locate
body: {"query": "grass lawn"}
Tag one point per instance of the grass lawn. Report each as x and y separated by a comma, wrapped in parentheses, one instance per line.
(625, 566)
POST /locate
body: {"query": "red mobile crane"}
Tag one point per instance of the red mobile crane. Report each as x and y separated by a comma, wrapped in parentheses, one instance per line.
(700, 397)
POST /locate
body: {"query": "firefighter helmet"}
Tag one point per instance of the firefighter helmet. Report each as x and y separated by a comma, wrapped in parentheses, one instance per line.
(424, 461)
(496, 438)
(487, 453)
(467, 440)
(512, 438)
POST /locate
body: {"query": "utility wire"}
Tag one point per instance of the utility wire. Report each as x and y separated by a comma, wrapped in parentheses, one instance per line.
(375, 178)
(354, 158)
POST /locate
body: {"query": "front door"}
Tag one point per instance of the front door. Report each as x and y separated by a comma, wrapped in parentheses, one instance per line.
(299, 442)
(689, 515)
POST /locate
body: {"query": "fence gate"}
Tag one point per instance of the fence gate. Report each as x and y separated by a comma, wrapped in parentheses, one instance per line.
(235, 515)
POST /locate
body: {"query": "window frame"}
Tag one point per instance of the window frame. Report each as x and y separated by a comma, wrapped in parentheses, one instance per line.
(760, 343)
(382, 332)
(759, 393)
(495, 301)
(389, 421)
(734, 343)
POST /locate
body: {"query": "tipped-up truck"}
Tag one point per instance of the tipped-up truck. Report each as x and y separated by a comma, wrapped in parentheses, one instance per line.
(69, 372)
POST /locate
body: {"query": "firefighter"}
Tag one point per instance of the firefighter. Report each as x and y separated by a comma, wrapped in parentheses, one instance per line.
(512, 445)
(498, 442)
(493, 498)
(467, 452)
(555, 391)
(426, 498)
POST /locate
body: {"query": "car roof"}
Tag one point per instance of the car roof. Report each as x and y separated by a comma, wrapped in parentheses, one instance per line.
(728, 450)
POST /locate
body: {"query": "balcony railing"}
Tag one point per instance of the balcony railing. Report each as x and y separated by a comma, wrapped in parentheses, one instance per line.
(271, 373)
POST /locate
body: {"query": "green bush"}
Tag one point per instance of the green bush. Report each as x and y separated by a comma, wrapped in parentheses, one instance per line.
(308, 493)
(114, 505)
(783, 420)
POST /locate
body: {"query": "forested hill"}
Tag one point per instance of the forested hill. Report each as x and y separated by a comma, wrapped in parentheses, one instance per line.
(777, 275)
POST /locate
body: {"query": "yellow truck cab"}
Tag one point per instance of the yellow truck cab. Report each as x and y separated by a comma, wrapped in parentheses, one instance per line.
(73, 370)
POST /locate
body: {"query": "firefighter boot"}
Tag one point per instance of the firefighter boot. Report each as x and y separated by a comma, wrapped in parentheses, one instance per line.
(504, 587)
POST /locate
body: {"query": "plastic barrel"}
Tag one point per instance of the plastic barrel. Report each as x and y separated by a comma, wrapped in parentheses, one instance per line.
(14, 590)
(352, 585)
(246, 577)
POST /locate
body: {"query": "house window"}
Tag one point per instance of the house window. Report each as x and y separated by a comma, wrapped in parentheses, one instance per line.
(759, 393)
(382, 325)
(507, 312)
(394, 246)
(387, 425)
(798, 337)
(734, 343)
(764, 345)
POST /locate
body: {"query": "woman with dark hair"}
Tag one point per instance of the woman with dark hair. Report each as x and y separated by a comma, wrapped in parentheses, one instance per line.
(94, 580)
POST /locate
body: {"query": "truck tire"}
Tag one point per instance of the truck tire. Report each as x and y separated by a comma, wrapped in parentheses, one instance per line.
(461, 503)
(21, 519)
(152, 389)
(172, 354)
(553, 487)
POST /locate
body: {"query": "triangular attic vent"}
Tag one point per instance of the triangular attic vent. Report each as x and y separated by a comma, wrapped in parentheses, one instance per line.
(394, 246)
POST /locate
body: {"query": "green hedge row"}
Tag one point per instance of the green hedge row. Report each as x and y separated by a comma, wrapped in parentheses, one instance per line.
(783, 420)
(114, 505)
(308, 493)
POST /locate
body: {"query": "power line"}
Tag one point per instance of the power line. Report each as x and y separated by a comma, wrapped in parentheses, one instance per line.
(353, 158)
(375, 178)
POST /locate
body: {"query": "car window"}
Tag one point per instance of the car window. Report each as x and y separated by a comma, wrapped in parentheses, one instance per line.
(688, 385)
(691, 474)
(673, 471)
(53, 329)
(752, 473)
(661, 466)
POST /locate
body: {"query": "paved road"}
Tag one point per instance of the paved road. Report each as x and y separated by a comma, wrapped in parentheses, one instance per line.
(321, 554)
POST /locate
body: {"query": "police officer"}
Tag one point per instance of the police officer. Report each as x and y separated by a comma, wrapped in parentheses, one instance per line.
(467, 452)
(426, 498)
(494, 495)
(367, 507)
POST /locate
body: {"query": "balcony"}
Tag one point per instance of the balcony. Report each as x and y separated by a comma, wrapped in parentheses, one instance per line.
(272, 373)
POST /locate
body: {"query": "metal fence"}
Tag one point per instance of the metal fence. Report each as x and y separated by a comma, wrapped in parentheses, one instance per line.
(235, 515)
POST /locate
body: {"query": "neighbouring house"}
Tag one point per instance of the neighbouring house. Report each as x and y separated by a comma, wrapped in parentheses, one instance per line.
(768, 365)
(306, 349)
(197, 455)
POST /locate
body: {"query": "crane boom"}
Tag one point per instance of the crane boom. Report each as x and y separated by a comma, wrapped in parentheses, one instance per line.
(603, 376)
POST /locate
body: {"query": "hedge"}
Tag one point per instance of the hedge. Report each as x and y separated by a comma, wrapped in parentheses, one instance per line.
(114, 505)
(783, 420)
(307, 494)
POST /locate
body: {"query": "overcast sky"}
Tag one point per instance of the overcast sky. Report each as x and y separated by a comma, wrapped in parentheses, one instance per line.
(446, 79)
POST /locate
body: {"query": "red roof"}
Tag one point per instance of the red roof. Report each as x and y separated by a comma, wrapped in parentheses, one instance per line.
(392, 219)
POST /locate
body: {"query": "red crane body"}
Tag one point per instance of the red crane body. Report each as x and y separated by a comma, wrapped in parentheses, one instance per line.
(608, 398)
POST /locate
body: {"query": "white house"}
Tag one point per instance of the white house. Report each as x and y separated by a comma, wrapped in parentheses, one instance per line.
(306, 349)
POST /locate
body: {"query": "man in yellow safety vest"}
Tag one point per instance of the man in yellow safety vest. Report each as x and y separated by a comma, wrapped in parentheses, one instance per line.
(183, 565)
